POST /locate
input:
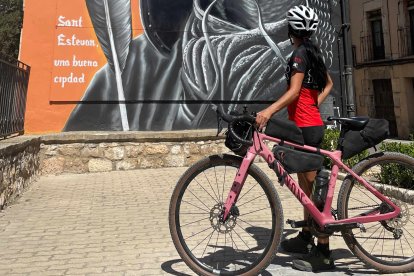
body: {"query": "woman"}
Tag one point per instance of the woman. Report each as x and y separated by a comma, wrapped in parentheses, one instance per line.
(308, 86)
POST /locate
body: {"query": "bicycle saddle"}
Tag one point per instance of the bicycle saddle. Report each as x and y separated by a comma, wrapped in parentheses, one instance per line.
(355, 123)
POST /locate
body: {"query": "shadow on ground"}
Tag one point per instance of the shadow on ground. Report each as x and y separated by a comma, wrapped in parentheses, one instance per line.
(283, 261)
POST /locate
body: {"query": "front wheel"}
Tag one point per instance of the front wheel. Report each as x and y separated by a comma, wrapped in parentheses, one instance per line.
(246, 243)
(387, 246)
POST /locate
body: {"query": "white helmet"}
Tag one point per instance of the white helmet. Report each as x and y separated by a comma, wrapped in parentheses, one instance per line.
(303, 21)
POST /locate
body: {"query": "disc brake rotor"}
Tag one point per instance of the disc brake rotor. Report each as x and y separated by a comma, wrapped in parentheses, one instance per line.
(216, 221)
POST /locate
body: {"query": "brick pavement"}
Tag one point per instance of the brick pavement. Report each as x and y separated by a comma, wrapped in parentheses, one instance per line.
(113, 224)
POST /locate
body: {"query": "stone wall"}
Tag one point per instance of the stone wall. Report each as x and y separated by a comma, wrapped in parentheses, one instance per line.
(19, 166)
(105, 157)
(84, 152)
(23, 158)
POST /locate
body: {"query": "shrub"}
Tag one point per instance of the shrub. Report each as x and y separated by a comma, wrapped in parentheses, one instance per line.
(395, 174)
(404, 148)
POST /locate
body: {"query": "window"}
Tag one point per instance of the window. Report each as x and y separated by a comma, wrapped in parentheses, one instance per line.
(377, 35)
(384, 103)
(411, 24)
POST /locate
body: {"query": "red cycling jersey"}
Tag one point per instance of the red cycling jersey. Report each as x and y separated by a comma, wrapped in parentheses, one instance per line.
(304, 110)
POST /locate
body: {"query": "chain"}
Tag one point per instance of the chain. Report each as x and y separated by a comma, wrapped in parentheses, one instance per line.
(368, 238)
(369, 206)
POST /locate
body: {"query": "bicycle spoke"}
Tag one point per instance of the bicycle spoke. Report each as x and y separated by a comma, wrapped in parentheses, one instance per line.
(203, 239)
(195, 221)
(184, 201)
(239, 219)
(255, 211)
(357, 200)
(199, 232)
(202, 255)
(215, 200)
(215, 247)
(247, 192)
(251, 200)
(198, 199)
(408, 232)
(241, 239)
(224, 181)
(185, 213)
(365, 193)
(376, 241)
(402, 250)
(382, 248)
(218, 199)
(408, 243)
(246, 232)
(393, 251)
(218, 190)
(372, 234)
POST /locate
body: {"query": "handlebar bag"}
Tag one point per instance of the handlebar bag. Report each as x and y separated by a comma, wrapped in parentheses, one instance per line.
(295, 161)
(243, 130)
(285, 130)
(355, 142)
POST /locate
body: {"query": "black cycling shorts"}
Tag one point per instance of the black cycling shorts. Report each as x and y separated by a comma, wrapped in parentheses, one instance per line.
(313, 136)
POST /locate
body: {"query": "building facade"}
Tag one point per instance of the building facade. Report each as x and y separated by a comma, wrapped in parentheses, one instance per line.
(383, 53)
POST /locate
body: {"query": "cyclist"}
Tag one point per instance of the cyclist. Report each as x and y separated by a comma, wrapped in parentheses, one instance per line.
(308, 86)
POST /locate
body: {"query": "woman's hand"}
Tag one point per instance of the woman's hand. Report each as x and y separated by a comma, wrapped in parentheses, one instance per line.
(263, 117)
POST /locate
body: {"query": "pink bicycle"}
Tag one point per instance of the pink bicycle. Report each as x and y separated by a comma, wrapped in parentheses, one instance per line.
(226, 217)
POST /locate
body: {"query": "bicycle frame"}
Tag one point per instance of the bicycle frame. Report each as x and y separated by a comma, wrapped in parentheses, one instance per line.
(322, 218)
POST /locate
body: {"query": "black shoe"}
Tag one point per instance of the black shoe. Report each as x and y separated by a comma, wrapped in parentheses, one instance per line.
(315, 261)
(302, 243)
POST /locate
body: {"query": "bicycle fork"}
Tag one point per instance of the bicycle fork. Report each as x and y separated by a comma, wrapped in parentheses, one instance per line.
(237, 185)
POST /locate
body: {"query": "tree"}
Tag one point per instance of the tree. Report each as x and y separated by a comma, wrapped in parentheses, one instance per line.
(11, 21)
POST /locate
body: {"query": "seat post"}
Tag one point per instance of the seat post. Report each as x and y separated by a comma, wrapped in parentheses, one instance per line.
(341, 137)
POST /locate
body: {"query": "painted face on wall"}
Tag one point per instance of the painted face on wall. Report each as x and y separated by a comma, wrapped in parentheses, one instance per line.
(182, 65)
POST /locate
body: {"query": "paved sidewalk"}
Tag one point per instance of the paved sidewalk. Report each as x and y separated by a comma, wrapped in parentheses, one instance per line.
(113, 224)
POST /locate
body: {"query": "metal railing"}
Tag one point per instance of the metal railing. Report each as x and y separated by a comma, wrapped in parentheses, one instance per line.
(368, 52)
(14, 80)
(405, 40)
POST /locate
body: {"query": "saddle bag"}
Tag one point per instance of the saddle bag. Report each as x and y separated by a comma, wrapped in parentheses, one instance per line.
(355, 142)
(295, 161)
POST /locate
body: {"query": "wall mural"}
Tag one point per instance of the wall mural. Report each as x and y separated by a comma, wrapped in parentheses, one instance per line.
(193, 53)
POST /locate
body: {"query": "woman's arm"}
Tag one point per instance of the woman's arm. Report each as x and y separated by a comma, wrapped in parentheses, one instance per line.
(291, 95)
(326, 91)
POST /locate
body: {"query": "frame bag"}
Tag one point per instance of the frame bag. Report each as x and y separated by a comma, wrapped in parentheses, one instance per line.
(295, 161)
(355, 142)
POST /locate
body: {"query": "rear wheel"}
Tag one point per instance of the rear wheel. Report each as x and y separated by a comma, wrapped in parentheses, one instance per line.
(387, 246)
(246, 243)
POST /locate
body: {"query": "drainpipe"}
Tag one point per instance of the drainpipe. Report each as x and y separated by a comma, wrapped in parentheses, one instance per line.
(347, 72)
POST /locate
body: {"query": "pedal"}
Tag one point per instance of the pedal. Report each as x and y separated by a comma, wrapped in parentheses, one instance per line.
(297, 224)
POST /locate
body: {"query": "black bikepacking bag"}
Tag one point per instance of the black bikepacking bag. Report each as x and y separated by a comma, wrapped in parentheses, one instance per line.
(355, 142)
(295, 161)
(284, 129)
(243, 130)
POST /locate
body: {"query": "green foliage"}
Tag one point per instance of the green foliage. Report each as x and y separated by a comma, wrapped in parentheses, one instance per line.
(11, 20)
(395, 174)
(404, 148)
(330, 142)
